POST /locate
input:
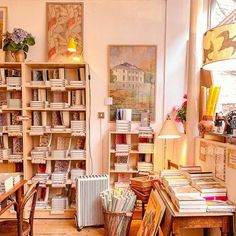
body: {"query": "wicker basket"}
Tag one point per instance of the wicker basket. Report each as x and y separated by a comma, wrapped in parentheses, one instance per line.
(117, 223)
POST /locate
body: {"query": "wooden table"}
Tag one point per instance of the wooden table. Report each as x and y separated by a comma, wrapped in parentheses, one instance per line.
(173, 220)
(17, 190)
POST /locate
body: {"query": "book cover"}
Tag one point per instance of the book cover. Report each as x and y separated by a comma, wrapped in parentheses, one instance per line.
(153, 215)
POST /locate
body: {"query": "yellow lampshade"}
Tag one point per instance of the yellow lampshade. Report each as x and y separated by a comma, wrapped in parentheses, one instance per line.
(71, 45)
(219, 45)
(169, 130)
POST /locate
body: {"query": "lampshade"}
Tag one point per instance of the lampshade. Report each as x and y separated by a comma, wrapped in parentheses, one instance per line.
(219, 46)
(71, 45)
(169, 130)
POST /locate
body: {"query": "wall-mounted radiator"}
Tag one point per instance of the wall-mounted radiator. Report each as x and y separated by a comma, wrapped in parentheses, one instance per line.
(88, 202)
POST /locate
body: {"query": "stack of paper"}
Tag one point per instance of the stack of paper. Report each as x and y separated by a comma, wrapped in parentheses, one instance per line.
(59, 203)
(145, 147)
(190, 203)
(123, 126)
(77, 154)
(14, 103)
(145, 166)
(78, 126)
(37, 104)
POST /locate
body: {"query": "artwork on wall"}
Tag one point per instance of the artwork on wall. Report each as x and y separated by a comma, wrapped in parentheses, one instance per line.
(3, 28)
(64, 20)
(132, 79)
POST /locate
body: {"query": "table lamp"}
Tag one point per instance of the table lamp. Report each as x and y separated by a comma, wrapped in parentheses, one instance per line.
(168, 131)
(219, 45)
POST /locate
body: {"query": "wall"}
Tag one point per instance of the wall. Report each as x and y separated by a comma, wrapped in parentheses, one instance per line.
(118, 22)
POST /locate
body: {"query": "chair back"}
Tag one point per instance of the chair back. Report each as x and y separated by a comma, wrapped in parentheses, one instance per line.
(31, 194)
(172, 165)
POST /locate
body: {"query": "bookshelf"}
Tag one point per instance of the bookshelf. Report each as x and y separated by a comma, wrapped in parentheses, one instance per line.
(51, 104)
(119, 177)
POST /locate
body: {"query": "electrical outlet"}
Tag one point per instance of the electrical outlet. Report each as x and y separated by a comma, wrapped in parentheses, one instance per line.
(101, 115)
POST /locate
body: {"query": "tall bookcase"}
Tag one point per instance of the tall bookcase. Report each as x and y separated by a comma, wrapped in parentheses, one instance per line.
(54, 138)
(140, 152)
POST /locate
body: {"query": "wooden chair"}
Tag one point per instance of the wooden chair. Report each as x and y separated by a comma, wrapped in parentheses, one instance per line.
(21, 227)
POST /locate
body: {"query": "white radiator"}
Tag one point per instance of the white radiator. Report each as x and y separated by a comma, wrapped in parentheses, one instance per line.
(88, 203)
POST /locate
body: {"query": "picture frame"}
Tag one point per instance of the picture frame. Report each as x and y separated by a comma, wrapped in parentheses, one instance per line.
(64, 20)
(132, 79)
(3, 29)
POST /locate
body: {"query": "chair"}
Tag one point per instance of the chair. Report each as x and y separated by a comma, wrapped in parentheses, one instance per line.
(172, 165)
(21, 227)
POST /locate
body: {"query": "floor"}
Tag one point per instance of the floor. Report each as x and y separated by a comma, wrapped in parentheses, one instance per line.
(67, 228)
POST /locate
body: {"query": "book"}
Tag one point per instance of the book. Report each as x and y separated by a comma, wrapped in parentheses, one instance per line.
(211, 188)
(218, 205)
(184, 191)
(188, 200)
(153, 215)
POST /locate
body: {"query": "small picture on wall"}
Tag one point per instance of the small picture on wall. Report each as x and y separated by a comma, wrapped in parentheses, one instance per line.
(64, 20)
(3, 28)
(132, 79)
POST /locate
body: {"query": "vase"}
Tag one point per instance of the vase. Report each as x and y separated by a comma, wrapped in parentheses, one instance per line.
(18, 56)
(206, 125)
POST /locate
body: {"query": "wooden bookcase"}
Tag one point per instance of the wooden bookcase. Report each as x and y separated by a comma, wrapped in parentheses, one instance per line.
(53, 95)
(135, 155)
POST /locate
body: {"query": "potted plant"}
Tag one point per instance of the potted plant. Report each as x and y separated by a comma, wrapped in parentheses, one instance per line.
(18, 43)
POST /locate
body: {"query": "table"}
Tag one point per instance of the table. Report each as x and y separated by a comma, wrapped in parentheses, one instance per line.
(173, 220)
(17, 190)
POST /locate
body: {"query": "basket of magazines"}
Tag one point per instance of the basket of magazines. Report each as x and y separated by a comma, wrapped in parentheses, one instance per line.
(118, 210)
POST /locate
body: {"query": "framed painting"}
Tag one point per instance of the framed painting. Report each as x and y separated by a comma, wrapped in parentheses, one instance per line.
(132, 79)
(3, 29)
(64, 20)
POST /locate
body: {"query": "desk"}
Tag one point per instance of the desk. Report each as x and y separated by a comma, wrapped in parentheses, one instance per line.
(17, 190)
(173, 220)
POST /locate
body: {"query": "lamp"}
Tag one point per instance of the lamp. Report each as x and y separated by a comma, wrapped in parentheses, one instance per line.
(72, 47)
(168, 131)
(219, 45)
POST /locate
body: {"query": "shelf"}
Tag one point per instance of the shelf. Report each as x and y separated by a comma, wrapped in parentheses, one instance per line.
(54, 65)
(11, 109)
(128, 171)
(55, 109)
(49, 182)
(131, 132)
(59, 159)
(132, 152)
(67, 87)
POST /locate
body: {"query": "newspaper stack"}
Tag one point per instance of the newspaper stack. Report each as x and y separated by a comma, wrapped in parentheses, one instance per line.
(146, 147)
(77, 82)
(145, 166)
(37, 104)
(75, 173)
(14, 103)
(59, 203)
(57, 154)
(41, 177)
(59, 178)
(13, 82)
(77, 154)
(78, 126)
(123, 126)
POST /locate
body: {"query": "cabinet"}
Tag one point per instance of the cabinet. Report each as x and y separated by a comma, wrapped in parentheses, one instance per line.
(51, 106)
(130, 154)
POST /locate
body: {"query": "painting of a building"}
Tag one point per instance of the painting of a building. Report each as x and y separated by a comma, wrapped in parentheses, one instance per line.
(132, 82)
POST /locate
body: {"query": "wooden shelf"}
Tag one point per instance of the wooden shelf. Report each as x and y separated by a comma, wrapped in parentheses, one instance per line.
(132, 152)
(59, 159)
(55, 109)
(49, 182)
(67, 87)
(127, 171)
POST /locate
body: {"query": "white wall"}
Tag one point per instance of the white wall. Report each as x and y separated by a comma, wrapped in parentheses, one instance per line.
(117, 22)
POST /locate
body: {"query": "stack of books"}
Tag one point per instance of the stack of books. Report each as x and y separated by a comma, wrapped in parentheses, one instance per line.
(146, 147)
(37, 104)
(78, 126)
(36, 129)
(58, 128)
(59, 178)
(189, 203)
(164, 173)
(77, 154)
(75, 173)
(58, 105)
(15, 158)
(77, 82)
(40, 152)
(4, 153)
(59, 202)
(145, 132)
(190, 168)
(175, 181)
(14, 103)
(145, 166)
(58, 153)
(121, 167)
(219, 206)
(14, 128)
(41, 204)
(13, 82)
(41, 177)
(123, 126)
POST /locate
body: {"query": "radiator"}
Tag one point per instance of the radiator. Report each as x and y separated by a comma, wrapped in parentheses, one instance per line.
(88, 203)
